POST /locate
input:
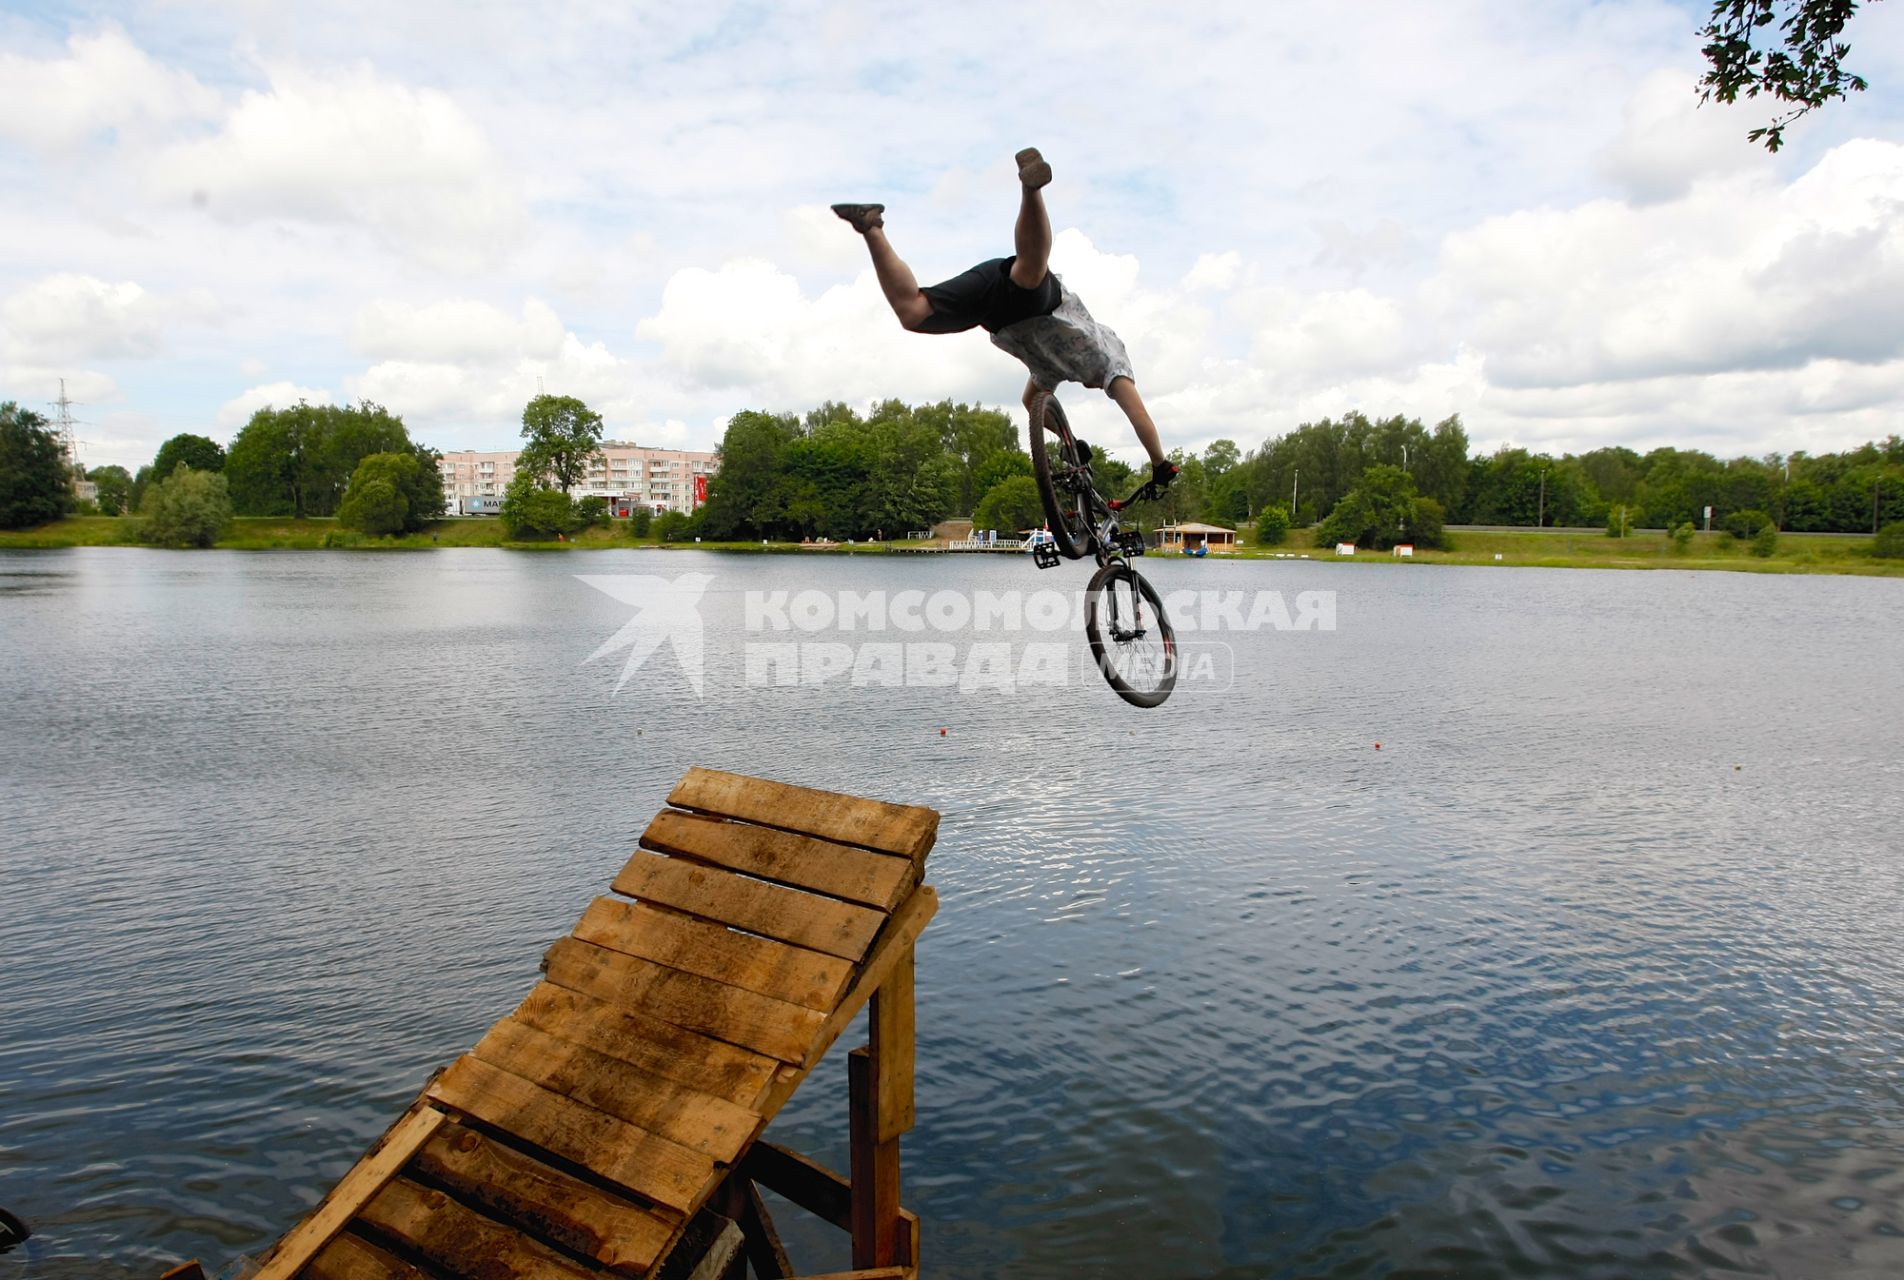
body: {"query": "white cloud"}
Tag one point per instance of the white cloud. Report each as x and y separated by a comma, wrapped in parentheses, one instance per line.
(235, 412)
(78, 317)
(105, 86)
(352, 147)
(1667, 141)
(1214, 270)
(748, 330)
(434, 397)
(456, 331)
(1741, 272)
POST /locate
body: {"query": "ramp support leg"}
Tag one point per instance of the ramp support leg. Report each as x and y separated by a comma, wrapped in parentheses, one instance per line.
(880, 1077)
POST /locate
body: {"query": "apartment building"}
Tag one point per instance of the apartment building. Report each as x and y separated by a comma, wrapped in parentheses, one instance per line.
(628, 475)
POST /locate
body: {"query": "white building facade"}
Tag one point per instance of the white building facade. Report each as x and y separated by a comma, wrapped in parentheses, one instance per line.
(627, 475)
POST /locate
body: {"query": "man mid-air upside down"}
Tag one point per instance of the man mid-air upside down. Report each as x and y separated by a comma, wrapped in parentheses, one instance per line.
(1025, 308)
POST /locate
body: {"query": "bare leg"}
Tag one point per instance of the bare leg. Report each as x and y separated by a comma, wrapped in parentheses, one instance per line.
(1032, 391)
(1031, 240)
(896, 281)
(1124, 391)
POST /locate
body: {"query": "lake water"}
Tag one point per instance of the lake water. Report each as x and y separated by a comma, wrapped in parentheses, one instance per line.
(1593, 969)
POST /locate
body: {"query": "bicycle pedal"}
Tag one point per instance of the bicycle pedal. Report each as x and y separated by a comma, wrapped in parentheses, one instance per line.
(1045, 556)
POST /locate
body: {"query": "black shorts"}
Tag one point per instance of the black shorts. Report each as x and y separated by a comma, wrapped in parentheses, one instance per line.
(986, 295)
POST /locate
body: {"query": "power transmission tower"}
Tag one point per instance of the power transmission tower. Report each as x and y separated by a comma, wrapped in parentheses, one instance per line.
(69, 441)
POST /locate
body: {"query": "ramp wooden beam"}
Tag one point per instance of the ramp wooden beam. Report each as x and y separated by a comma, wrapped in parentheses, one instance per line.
(587, 1130)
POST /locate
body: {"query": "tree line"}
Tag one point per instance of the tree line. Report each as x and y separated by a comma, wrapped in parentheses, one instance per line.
(1312, 469)
(834, 472)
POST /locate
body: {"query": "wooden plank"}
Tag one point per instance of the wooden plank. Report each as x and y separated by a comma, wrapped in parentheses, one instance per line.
(185, 1271)
(891, 1041)
(650, 1166)
(661, 1048)
(458, 1240)
(709, 1249)
(821, 866)
(894, 945)
(713, 1126)
(350, 1257)
(903, 829)
(876, 1240)
(776, 969)
(791, 915)
(507, 1184)
(773, 1027)
(808, 1184)
(868, 1273)
(351, 1193)
(765, 1252)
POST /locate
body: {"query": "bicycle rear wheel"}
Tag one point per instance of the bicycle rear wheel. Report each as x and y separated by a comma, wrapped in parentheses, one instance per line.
(1066, 510)
(1130, 635)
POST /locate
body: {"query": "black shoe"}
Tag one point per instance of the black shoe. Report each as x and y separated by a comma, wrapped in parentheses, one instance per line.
(1033, 171)
(863, 217)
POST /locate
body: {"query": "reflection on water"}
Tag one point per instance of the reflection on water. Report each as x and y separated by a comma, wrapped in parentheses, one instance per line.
(1590, 970)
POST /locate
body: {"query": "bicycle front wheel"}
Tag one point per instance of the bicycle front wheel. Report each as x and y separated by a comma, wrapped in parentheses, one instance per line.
(1055, 463)
(1130, 635)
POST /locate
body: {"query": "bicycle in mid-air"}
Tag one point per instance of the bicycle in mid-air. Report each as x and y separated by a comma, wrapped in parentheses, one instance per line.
(1124, 617)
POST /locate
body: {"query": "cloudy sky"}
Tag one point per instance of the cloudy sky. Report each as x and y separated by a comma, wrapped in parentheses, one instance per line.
(1505, 210)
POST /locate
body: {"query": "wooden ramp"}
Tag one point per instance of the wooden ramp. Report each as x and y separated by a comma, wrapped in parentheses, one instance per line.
(622, 1103)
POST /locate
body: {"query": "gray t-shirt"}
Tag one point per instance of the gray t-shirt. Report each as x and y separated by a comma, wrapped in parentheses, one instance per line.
(1066, 346)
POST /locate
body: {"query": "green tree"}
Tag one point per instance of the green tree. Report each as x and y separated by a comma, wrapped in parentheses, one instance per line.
(972, 436)
(1272, 525)
(530, 511)
(640, 520)
(1682, 536)
(197, 452)
(1889, 544)
(1745, 525)
(739, 494)
(1765, 541)
(1427, 526)
(913, 481)
(36, 484)
(1002, 465)
(1009, 506)
(186, 509)
(115, 488)
(591, 511)
(1379, 512)
(392, 493)
(564, 436)
(673, 526)
(1801, 66)
(298, 461)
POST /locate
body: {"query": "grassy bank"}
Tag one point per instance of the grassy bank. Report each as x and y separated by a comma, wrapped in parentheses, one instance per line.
(1571, 549)
(1546, 548)
(281, 533)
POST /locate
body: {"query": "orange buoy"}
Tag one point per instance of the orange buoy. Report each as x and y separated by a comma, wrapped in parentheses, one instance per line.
(1378, 746)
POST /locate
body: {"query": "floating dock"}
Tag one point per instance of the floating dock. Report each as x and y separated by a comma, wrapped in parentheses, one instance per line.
(613, 1124)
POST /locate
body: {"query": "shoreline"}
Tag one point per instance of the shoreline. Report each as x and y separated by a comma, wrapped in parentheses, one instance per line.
(1841, 554)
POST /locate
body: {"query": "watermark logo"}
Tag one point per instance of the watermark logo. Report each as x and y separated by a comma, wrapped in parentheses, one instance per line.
(667, 611)
(972, 641)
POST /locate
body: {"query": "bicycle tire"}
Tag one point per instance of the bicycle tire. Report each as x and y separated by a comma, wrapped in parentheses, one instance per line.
(1100, 624)
(1071, 531)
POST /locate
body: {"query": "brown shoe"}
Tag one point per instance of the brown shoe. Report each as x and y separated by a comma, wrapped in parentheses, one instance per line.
(1032, 169)
(863, 217)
